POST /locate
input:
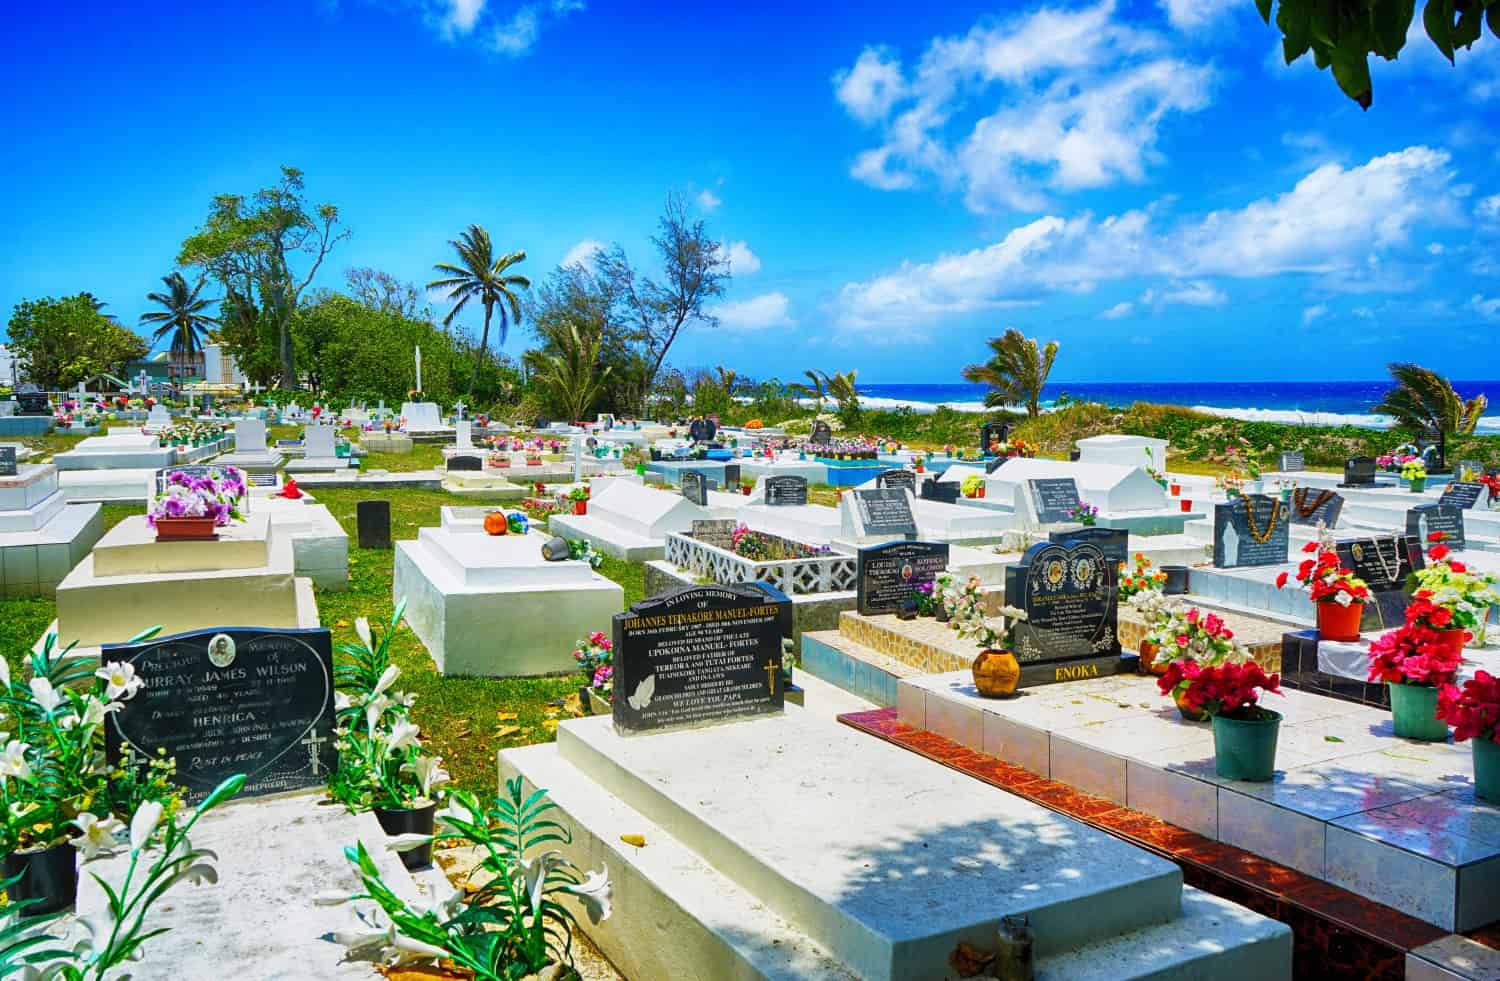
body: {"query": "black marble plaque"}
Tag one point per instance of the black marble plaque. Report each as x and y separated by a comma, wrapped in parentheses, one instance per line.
(884, 511)
(888, 575)
(821, 434)
(1310, 505)
(1290, 462)
(715, 532)
(32, 401)
(785, 491)
(1462, 494)
(1425, 520)
(944, 492)
(1251, 530)
(1113, 542)
(231, 700)
(7, 461)
(374, 522)
(896, 477)
(1068, 593)
(1359, 471)
(465, 463)
(700, 654)
(695, 487)
(1054, 498)
(991, 434)
(731, 477)
(192, 470)
(702, 430)
(1384, 562)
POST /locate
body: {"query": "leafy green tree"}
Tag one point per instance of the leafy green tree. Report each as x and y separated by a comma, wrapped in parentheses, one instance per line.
(482, 276)
(1016, 371)
(183, 316)
(361, 352)
(843, 392)
(384, 292)
(569, 379)
(1342, 34)
(1424, 399)
(250, 247)
(63, 342)
(815, 389)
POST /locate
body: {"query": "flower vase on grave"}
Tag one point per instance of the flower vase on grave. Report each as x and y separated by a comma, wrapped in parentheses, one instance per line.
(1414, 712)
(1486, 768)
(1245, 748)
(410, 821)
(996, 673)
(1146, 664)
(48, 875)
(1339, 622)
(185, 529)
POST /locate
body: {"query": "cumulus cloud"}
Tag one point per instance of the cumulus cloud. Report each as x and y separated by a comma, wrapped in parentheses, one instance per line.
(1486, 307)
(756, 313)
(1335, 220)
(1076, 100)
(1188, 15)
(1119, 311)
(708, 200)
(462, 15)
(1314, 313)
(742, 262)
(582, 254)
(510, 31)
(1489, 208)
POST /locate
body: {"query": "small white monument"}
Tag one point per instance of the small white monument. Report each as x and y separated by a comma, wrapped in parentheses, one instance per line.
(41, 536)
(159, 419)
(320, 452)
(250, 451)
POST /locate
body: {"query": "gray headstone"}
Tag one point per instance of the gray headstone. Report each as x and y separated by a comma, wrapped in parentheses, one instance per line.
(1291, 462)
(897, 478)
(1310, 506)
(884, 511)
(1359, 471)
(785, 491)
(1054, 498)
(695, 487)
(1251, 530)
(1463, 494)
(1425, 520)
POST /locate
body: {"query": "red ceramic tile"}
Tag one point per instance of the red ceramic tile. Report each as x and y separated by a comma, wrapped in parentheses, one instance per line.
(1489, 935)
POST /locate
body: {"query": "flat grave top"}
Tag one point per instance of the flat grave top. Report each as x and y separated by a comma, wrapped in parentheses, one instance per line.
(499, 561)
(131, 548)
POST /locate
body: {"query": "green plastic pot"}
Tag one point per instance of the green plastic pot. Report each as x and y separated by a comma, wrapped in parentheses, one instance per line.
(1245, 749)
(1487, 769)
(1418, 484)
(1414, 710)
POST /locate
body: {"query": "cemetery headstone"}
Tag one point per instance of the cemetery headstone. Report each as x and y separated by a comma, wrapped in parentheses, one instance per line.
(992, 434)
(887, 576)
(32, 400)
(1113, 542)
(1071, 626)
(896, 477)
(1359, 471)
(785, 491)
(250, 436)
(1311, 506)
(230, 700)
(1251, 530)
(466, 462)
(698, 655)
(1384, 563)
(1290, 462)
(702, 430)
(716, 532)
(1463, 494)
(7, 461)
(1432, 443)
(1426, 520)
(731, 476)
(695, 487)
(1469, 469)
(1053, 498)
(884, 511)
(541, 422)
(374, 521)
(945, 492)
(821, 434)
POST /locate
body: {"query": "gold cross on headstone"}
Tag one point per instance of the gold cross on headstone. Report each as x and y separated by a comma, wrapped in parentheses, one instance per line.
(772, 669)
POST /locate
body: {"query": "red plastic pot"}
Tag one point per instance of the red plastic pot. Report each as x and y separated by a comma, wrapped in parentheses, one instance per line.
(580, 507)
(1187, 505)
(1338, 622)
(1176, 490)
(185, 530)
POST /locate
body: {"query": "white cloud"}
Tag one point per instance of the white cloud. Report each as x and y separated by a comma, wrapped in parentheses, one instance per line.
(756, 313)
(1077, 98)
(1489, 208)
(1333, 221)
(582, 253)
(1189, 14)
(1486, 307)
(1313, 313)
(1119, 311)
(516, 36)
(708, 200)
(742, 262)
(1435, 248)
(462, 15)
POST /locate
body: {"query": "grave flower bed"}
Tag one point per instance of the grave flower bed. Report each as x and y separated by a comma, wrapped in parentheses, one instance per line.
(798, 568)
(759, 546)
(191, 434)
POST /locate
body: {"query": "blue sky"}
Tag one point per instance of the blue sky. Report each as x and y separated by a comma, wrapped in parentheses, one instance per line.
(1144, 182)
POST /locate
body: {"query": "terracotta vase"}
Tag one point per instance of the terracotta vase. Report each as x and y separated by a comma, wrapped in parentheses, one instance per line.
(185, 530)
(996, 673)
(1147, 664)
(1190, 715)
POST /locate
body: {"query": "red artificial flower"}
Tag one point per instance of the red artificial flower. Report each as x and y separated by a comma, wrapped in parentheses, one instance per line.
(1223, 689)
(1457, 566)
(1474, 712)
(1437, 553)
(1437, 536)
(1310, 547)
(1281, 580)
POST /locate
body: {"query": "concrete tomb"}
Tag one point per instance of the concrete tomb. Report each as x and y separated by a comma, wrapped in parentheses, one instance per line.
(42, 537)
(628, 520)
(250, 452)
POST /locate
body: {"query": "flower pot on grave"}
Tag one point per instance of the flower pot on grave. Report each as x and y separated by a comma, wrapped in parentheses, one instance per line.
(745, 489)
(1187, 505)
(48, 875)
(1414, 711)
(598, 704)
(981, 490)
(1339, 622)
(640, 470)
(581, 507)
(1245, 749)
(1452, 641)
(1417, 485)
(1189, 714)
(1486, 769)
(996, 673)
(410, 821)
(1147, 662)
(185, 530)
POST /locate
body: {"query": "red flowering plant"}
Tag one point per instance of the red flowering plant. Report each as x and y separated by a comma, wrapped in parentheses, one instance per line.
(1231, 689)
(1446, 595)
(1325, 578)
(1412, 654)
(1474, 712)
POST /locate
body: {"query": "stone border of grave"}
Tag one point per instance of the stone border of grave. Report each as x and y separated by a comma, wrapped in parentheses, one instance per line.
(830, 573)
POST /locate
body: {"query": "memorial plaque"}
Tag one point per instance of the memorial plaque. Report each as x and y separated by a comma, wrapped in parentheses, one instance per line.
(1290, 462)
(1384, 563)
(700, 654)
(1426, 520)
(888, 575)
(695, 487)
(1359, 471)
(1311, 506)
(288, 444)
(32, 400)
(821, 434)
(191, 471)
(230, 700)
(897, 477)
(264, 479)
(991, 434)
(785, 491)
(373, 519)
(465, 463)
(1113, 542)
(1251, 530)
(731, 477)
(1053, 498)
(7, 461)
(718, 533)
(1463, 494)
(1469, 469)
(944, 492)
(884, 511)
(1070, 630)
(702, 430)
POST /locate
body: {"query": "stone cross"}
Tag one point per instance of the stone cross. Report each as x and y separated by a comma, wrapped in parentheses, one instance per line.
(142, 380)
(459, 408)
(312, 742)
(419, 367)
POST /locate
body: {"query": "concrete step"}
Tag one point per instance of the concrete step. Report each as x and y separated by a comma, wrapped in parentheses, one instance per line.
(857, 669)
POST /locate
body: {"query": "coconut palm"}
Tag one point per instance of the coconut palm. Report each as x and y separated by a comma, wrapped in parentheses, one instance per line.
(571, 376)
(483, 277)
(183, 316)
(815, 388)
(841, 389)
(1424, 399)
(1015, 372)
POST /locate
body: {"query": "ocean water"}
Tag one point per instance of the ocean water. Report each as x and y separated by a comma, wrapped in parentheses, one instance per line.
(1296, 403)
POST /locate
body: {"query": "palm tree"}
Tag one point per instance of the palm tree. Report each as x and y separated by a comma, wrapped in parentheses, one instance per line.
(815, 388)
(182, 315)
(571, 376)
(479, 275)
(841, 389)
(1015, 372)
(729, 379)
(1424, 399)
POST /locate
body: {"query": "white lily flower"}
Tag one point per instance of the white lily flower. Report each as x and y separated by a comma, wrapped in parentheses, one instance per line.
(46, 696)
(331, 897)
(341, 701)
(406, 699)
(407, 945)
(536, 871)
(13, 761)
(403, 734)
(4, 673)
(142, 823)
(374, 709)
(362, 627)
(406, 842)
(594, 893)
(429, 771)
(120, 680)
(387, 678)
(97, 834)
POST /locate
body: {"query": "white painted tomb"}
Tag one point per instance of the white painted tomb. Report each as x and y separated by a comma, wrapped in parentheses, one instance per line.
(807, 849)
(158, 419)
(1125, 451)
(628, 520)
(42, 537)
(250, 452)
(490, 605)
(423, 419)
(941, 522)
(319, 451)
(118, 449)
(320, 546)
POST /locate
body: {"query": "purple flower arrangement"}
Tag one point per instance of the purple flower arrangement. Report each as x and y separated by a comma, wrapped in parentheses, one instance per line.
(217, 495)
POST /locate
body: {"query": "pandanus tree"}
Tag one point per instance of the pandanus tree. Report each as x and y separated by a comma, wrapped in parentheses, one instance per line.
(572, 376)
(1016, 371)
(1423, 399)
(482, 276)
(183, 317)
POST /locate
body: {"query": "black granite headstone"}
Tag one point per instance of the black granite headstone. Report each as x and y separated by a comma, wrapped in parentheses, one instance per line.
(991, 434)
(1309, 506)
(1113, 542)
(731, 477)
(1383, 563)
(888, 575)
(1290, 462)
(1054, 498)
(945, 492)
(785, 491)
(1359, 471)
(700, 654)
(884, 511)
(374, 521)
(1436, 441)
(821, 434)
(896, 477)
(702, 430)
(695, 487)
(231, 700)
(1071, 626)
(1251, 530)
(1426, 520)
(31, 400)
(1462, 494)
(7, 461)
(465, 463)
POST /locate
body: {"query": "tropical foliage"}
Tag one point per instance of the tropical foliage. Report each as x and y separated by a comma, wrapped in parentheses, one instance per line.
(1424, 399)
(66, 341)
(571, 379)
(1016, 371)
(483, 277)
(183, 317)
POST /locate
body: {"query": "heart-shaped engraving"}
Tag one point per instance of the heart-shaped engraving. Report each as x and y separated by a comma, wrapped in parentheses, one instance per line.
(231, 700)
(1068, 593)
